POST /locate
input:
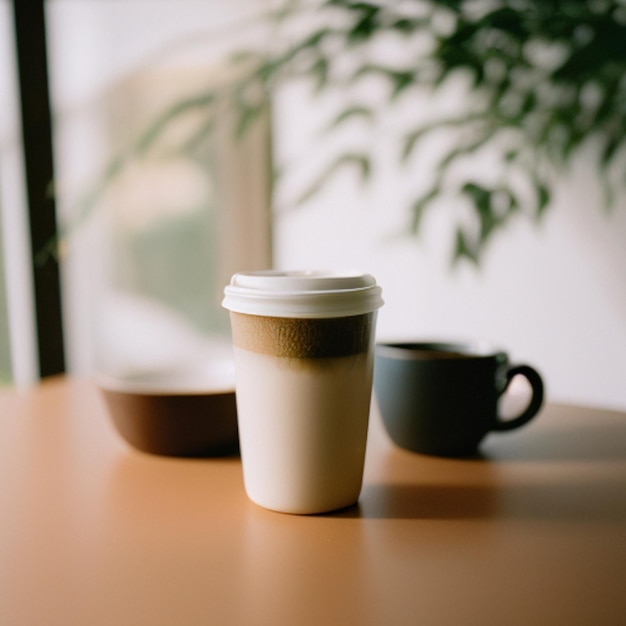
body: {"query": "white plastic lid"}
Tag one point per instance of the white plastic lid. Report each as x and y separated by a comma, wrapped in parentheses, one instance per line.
(306, 293)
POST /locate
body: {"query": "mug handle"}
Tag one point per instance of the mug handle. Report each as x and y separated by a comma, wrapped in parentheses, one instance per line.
(536, 401)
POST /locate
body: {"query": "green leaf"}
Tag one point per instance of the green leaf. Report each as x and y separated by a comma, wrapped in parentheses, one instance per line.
(508, 20)
(482, 200)
(407, 26)
(608, 193)
(359, 161)
(401, 82)
(366, 23)
(314, 40)
(543, 198)
(412, 138)
(420, 205)
(362, 161)
(158, 127)
(611, 147)
(465, 149)
(529, 104)
(410, 141)
(480, 196)
(351, 113)
(607, 47)
(366, 69)
(272, 68)
(199, 137)
(247, 115)
(463, 249)
(268, 70)
(320, 72)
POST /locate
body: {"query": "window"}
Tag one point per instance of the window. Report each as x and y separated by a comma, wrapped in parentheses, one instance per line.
(158, 203)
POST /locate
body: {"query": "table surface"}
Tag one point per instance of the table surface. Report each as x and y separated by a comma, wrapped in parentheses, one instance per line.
(93, 532)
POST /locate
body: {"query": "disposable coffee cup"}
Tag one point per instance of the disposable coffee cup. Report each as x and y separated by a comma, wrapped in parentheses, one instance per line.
(303, 351)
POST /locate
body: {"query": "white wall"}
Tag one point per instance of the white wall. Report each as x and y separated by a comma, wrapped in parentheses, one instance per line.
(553, 294)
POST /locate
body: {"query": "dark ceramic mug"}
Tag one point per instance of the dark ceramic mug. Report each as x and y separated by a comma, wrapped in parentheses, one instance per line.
(442, 398)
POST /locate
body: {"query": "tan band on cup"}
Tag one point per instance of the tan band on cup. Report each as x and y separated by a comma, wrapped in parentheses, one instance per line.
(302, 338)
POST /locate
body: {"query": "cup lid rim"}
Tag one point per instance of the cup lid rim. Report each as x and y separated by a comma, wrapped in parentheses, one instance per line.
(303, 293)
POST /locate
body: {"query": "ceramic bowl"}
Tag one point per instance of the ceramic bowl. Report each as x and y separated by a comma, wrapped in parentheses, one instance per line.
(185, 411)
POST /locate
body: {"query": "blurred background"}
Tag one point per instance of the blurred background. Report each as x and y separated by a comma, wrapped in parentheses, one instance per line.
(171, 172)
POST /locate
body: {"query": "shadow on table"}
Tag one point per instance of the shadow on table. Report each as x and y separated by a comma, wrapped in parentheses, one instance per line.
(601, 437)
(571, 468)
(593, 501)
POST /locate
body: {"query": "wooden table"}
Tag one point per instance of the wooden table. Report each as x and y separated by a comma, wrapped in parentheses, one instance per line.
(92, 532)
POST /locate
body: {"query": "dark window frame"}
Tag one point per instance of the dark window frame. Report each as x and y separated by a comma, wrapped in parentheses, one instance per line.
(35, 107)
